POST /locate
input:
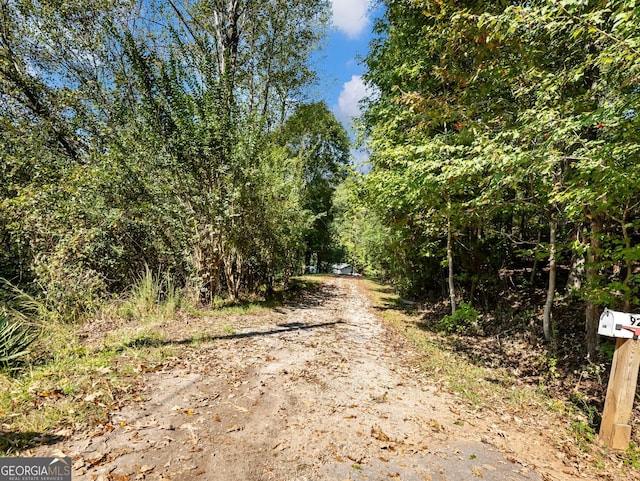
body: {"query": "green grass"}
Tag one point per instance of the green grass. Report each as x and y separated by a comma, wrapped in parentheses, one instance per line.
(16, 339)
(153, 297)
(241, 309)
(50, 396)
(631, 456)
(70, 386)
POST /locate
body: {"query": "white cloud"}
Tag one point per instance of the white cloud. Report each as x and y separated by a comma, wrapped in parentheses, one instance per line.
(350, 16)
(348, 102)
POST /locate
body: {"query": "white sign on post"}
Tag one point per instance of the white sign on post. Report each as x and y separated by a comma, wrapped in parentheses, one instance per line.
(619, 324)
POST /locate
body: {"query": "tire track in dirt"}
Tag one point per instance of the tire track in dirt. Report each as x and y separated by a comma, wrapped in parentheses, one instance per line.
(317, 391)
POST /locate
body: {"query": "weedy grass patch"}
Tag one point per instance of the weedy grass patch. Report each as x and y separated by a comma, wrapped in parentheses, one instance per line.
(66, 386)
(16, 340)
(52, 397)
(153, 297)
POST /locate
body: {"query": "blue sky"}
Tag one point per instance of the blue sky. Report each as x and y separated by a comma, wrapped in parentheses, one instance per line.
(341, 64)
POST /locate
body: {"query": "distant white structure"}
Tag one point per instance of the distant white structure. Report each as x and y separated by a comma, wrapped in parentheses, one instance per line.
(344, 270)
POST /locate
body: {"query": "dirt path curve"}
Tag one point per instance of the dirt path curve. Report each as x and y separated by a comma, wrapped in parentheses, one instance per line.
(320, 391)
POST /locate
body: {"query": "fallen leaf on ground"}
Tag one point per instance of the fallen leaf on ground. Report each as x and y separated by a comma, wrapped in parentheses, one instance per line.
(94, 460)
(89, 398)
(377, 433)
(355, 459)
(51, 394)
(146, 468)
(119, 477)
(437, 427)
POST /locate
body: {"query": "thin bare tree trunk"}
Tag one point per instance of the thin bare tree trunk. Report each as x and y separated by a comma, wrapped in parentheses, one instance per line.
(628, 264)
(551, 290)
(577, 272)
(452, 291)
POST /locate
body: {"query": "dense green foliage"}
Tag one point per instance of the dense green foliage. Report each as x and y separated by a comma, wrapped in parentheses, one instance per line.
(504, 133)
(148, 135)
(315, 136)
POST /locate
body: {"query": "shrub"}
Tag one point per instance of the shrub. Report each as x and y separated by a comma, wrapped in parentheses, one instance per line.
(464, 319)
(70, 291)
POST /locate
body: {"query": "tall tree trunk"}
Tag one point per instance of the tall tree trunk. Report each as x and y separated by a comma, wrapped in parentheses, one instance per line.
(627, 282)
(226, 18)
(551, 290)
(577, 271)
(627, 262)
(592, 309)
(452, 291)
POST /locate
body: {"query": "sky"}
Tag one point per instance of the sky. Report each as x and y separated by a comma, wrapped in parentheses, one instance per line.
(341, 63)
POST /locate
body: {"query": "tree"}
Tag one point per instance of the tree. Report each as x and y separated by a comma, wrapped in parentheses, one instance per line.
(139, 133)
(314, 136)
(495, 122)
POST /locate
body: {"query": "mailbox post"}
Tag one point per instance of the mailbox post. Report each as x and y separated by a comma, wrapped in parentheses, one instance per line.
(615, 430)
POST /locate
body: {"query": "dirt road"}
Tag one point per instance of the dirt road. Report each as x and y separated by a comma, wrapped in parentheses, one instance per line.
(317, 391)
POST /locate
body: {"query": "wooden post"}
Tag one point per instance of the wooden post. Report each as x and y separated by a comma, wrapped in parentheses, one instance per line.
(615, 431)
